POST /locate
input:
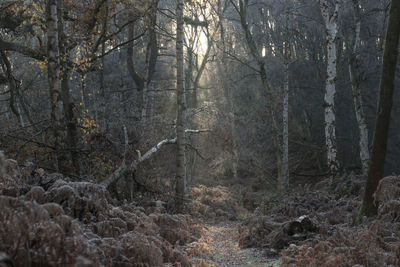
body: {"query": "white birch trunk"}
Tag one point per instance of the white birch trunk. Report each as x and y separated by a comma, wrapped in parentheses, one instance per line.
(330, 90)
(356, 90)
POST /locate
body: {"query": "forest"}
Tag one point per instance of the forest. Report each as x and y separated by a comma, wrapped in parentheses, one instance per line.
(203, 133)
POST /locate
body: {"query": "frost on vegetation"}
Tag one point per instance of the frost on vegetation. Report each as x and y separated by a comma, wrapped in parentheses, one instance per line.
(45, 219)
(213, 203)
(336, 239)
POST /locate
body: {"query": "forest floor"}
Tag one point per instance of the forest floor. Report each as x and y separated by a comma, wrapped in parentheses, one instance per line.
(220, 226)
(224, 251)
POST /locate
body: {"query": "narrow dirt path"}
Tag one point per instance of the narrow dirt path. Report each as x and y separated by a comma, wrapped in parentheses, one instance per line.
(223, 249)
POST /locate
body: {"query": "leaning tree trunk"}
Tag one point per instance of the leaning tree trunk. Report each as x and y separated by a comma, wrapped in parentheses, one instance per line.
(181, 120)
(53, 73)
(330, 87)
(379, 144)
(356, 90)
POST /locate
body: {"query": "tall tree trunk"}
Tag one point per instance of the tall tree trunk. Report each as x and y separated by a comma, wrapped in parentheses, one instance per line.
(69, 116)
(181, 118)
(285, 131)
(356, 90)
(229, 94)
(379, 144)
(331, 27)
(54, 85)
(284, 183)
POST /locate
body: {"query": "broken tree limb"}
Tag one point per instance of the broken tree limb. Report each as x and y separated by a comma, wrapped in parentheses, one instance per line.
(127, 168)
(155, 148)
(196, 131)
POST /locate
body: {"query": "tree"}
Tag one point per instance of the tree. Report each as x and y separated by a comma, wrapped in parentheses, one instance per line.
(69, 122)
(355, 87)
(385, 102)
(181, 116)
(284, 183)
(331, 26)
(53, 73)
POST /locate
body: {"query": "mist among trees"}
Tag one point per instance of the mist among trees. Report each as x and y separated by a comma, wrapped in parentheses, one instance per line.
(210, 132)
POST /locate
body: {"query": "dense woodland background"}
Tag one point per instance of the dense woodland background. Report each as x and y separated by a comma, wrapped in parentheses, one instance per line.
(98, 91)
(113, 47)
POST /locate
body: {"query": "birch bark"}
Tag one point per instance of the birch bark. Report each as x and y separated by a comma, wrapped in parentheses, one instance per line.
(331, 27)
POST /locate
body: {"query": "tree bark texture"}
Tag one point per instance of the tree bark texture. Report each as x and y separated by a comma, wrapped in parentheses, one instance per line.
(331, 27)
(69, 116)
(181, 118)
(54, 84)
(229, 93)
(356, 89)
(285, 132)
(381, 130)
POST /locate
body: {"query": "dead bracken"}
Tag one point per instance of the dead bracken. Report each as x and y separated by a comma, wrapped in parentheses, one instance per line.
(46, 221)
